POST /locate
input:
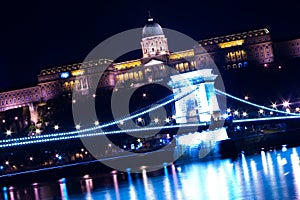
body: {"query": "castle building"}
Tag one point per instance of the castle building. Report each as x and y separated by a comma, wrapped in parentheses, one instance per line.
(227, 52)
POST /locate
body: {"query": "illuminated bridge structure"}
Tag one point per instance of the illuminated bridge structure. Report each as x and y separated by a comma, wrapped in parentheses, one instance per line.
(176, 97)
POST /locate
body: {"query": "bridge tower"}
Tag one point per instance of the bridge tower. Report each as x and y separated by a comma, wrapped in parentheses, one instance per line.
(200, 105)
(34, 116)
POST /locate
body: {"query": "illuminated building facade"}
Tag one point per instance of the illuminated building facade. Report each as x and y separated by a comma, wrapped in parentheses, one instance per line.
(227, 52)
(238, 50)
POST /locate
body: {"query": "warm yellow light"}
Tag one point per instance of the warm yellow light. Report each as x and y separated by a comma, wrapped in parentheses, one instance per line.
(78, 72)
(182, 54)
(231, 44)
(127, 65)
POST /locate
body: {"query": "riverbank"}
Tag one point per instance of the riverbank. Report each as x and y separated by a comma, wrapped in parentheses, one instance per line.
(252, 144)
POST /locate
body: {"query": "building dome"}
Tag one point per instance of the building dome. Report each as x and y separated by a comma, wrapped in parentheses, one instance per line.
(152, 29)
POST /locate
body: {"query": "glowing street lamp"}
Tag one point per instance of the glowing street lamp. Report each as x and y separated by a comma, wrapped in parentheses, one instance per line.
(78, 126)
(285, 103)
(244, 114)
(274, 105)
(3, 121)
(288, 110)
(271, 113)
(236, 112)
(156, 120)
(8, 132)
(139, 119)
(38, 131)
(56, 127)
(144, 95)
(297, 109)
(167, 120)
(228, 110)
(96, 123)
(261, 111)
(246, 97)
(121, 122)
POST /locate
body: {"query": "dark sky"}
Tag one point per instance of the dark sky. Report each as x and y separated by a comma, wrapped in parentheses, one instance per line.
(43, 34)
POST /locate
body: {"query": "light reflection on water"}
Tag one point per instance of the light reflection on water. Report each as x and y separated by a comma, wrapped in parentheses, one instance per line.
(268, 175)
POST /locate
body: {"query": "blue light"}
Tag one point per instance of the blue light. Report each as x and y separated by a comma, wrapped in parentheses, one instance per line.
(1, 167)
(59, 157)
(64, 75)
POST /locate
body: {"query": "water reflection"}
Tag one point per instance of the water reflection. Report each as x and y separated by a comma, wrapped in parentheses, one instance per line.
(116, 186)
(268, 175)
(296, 171)
(176, 189)
(132, 190)
(5, 193)
(87, 186)
(149, 193)
(63, 189)
(36, 193)
(11, 193)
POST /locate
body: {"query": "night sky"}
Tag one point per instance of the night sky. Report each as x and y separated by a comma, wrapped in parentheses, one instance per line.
(42, 34)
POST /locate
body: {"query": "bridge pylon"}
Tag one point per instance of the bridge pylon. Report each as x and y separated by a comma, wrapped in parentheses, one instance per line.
(199, 106)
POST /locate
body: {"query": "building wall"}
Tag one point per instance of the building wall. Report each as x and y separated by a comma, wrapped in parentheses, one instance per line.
(287, 49)
(19, 98)
(236, 50)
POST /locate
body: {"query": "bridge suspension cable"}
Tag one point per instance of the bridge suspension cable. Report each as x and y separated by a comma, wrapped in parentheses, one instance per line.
(254, 104)
(71, 134)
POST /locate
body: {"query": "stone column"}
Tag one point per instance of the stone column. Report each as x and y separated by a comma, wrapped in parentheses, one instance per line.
(34, 116)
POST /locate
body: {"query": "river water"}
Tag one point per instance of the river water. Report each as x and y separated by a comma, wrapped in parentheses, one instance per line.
(268, 175)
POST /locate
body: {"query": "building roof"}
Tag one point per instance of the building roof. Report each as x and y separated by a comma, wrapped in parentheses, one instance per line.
(152, 29)
(233, 37)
